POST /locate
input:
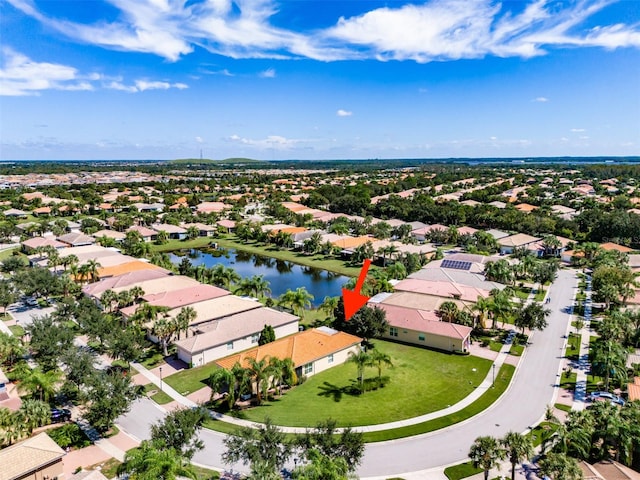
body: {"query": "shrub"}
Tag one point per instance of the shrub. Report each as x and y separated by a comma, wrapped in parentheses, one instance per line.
(69, 435)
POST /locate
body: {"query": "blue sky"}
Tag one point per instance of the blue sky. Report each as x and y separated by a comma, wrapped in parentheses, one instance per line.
(163, 79)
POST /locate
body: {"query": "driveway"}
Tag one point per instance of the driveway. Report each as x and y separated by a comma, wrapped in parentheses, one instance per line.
(24, 314)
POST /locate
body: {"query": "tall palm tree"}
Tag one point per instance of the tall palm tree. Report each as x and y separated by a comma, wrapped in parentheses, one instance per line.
(260, 372)
(301, 300)
(164, 328)
(500, 305)
(378, 359)
(361, 359)
(222, 379)
(107, 299)
(485, 453)
(482, 306)
(519, 447)
(11, 348)
(93, 267)
(560, 467)
(184, 318)
(329, 304)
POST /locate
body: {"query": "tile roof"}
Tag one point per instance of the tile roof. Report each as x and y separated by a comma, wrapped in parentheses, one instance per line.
(517, 240)
(420, 301)
(144, 231)
(233, 327)
(179, 298)
(168, 228)
(124, 281)
(615, 246)
(423, 321)
(36, 242)
(110, 234)
(217, 308)
(302, 347)
(441, 289)
(27, 456)
(128, 267)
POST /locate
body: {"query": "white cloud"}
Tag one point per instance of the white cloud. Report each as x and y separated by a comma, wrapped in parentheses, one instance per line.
(541, 99)
(143, 85)
(344, 113)
(578, 130)
(19, 75)
(268, 73)
(199, 140)
(271, 142)
(432, 30)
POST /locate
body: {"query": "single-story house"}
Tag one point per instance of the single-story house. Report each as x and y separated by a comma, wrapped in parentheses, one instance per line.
(633, 389)
(178, 298)
(76, 239)
(421, 327)
(37, 458)
(32, 244)
(204, 230)
(123, 282)
(212, 207)
(228, 225)
(417, 301)
(113, 234)
(497, 234)
(127, 267)
(173, 231)
(312, 351)
(147, 234)
(236, 332)
(441, 289)
(15, 213)
(614, 246)
(508, 244)
(526, 207)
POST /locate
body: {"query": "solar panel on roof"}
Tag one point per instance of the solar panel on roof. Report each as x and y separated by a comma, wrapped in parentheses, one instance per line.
(456, 264)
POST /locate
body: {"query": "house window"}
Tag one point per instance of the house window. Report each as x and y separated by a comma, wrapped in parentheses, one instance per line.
(308, 368)
(230, 346)
(330, 360)
(421, 337)
(393, 332)
(255, 337)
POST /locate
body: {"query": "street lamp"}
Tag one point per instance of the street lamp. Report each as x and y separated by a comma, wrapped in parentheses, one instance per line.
(160, 378)
(493, 383)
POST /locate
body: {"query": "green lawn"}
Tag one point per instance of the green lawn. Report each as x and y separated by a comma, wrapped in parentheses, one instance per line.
(4, 254)
(568, 381)
(463, 470)
(539, 296)
(522, 292)
(421, 381)
(192, 379)
(516, 350)
(573, 347)
(160, 397)
(17, 330)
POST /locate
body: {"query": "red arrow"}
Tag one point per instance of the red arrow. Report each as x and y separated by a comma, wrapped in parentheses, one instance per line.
(352, 299)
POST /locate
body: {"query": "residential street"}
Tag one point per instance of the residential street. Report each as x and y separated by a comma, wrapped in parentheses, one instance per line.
(522, 405)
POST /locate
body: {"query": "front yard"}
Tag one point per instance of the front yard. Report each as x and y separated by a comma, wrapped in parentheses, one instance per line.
(421, 381)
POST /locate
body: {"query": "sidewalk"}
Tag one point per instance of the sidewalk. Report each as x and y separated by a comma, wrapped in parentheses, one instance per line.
(580, 392)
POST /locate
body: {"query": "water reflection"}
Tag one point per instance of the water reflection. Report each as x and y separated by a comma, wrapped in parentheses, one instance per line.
(281, 274)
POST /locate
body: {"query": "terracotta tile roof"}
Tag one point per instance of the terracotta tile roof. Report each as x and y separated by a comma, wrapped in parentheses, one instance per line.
(128, 267)
(294, 207)
(633, 389)
(525, 207)
(467, 230)
(36, 242)
(109, 234)
(615, 246)
(207, 207)
(27, 456)
(168, 228)
(144, 231)
(226, 223)
(420, 301)
(302, 348)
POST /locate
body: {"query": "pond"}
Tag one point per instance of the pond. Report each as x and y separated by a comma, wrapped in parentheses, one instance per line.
(281, 274)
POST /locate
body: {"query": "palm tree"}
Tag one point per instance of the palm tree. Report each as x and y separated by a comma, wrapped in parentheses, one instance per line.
(11, 348)
(300, 301)
(500, 305)
(164, 328)
(222, 276)
(574, 436)
(329, 304)
(482, 306)
(185, 317)
(499, 271)
(519, 447)
(93, 267)
(34, 413)
(260, 372)
(148, 462)
(361, 359)
(396, 271)
(448, 312)
(485, 453)
(40, 384)
(107, 299)
(378, 359)
(222, 379)
(277, 371)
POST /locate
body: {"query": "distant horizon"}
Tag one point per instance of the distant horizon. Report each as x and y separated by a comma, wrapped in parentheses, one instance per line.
(552, 159)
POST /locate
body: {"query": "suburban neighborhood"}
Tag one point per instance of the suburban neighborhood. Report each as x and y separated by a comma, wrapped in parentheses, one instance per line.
(502, 318)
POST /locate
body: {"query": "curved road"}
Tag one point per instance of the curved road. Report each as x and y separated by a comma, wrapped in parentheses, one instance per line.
(523, 405)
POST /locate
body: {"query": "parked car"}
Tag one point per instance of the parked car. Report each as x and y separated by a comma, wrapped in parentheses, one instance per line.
(595, 396)
(59, 415)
